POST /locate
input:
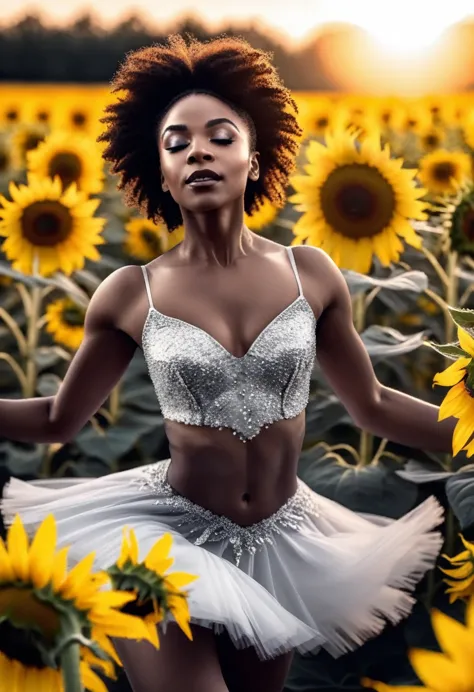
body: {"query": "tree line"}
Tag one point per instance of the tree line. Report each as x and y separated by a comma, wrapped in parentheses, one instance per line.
(84, 52)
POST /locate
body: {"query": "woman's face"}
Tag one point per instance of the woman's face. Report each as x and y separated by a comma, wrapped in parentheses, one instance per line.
(201, 133)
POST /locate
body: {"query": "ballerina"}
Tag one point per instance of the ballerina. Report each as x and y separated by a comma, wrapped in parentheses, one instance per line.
(228, 322)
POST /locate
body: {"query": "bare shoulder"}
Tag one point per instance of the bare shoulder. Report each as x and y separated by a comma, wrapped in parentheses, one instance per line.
(320, 273)
(113, 295)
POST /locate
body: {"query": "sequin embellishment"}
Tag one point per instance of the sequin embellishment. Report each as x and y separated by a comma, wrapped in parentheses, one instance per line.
(199, 382)
(213, 527)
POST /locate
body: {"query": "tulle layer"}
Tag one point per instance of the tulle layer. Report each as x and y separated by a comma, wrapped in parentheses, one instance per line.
(332, 579)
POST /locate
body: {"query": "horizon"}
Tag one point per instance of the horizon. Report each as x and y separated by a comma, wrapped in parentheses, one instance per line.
(284, 22)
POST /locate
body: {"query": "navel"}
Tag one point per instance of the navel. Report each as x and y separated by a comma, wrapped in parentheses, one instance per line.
(246, 497)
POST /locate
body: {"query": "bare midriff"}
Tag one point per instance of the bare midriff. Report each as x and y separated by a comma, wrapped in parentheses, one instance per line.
(246, 482)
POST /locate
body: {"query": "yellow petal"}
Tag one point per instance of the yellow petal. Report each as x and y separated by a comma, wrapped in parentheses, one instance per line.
(77, 576)
(17, 545)
(152, 632)
(90, 680)
(6, 570)
(41, 557)
(435, 670)
(159, 554)
(452, 402)
(462, 433)
(465, 570)
(455, 640)
(180, 579)
(133, 547)
(466, 342)
(453, 374)
(59, 570)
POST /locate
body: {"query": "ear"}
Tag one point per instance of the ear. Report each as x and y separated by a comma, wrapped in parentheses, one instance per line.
(164, 184)
(254, 167)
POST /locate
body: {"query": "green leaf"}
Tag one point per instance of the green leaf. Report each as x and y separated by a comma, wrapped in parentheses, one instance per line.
(373, 489)
(385, 342)
(452, 350)
(464, 318)
(414, 280)
(460, 494)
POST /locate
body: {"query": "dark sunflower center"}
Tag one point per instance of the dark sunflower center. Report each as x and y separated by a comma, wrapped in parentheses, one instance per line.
(411, 122)
(12, 115)
(431, 141)
(153, 241)
(4, 160)
(357, 201)
(444, 171)
(468, 224)
(46, 223)
(32, 140)
(43, 116)
(27, 620)
(386, 117)
(67, 166)
(323, 121)
(78, 118)
(19, 645)
(73, 316)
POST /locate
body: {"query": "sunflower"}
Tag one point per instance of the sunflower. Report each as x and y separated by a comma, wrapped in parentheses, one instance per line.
(451, 670)
(6, 158)
(357, 202)
(42, 606)
(443, 171)
(65, 321)
(261, 217)
(416, 118)
(430, 138)
(25, 138)
(155, 594)
(57, 227)
(461, 585)
(459, 401)
(146, 240)
(315, 116)
(457, 217)
(75, 158)
(10, 114)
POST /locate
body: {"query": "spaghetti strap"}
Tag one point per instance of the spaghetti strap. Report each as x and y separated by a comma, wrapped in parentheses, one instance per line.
(147, 285)
(295, 269)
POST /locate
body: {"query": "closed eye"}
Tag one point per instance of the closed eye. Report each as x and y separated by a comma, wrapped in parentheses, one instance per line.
(221, 141)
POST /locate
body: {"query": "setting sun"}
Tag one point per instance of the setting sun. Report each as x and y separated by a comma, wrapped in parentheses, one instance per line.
(409, 29)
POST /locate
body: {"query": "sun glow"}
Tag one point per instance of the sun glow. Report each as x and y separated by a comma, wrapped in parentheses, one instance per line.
(403, 29)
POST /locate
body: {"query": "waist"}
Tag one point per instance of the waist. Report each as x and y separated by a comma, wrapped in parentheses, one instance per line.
(244, 482)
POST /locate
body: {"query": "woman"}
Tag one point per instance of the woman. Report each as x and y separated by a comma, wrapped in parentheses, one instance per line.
(228, 322)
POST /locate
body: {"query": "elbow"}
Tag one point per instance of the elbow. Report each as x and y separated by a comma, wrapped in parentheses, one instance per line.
(367, 414)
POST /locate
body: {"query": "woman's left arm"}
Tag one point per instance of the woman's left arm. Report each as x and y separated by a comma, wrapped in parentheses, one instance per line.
(346, 365)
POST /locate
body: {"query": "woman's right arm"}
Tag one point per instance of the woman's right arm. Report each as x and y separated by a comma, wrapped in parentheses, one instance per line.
(96, 368)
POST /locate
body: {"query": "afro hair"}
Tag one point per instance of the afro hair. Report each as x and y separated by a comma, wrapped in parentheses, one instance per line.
(152, 78)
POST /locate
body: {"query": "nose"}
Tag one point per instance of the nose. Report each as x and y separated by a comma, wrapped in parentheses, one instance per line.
(198, 153)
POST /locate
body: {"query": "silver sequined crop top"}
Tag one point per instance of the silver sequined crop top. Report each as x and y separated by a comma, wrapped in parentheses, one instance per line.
(199, 382)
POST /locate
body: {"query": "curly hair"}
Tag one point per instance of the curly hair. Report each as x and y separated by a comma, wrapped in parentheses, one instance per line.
(154, 77)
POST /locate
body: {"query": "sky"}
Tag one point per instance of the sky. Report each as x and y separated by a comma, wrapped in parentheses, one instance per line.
(402, 24)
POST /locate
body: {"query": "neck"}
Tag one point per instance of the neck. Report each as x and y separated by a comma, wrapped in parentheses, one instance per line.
(218, 237)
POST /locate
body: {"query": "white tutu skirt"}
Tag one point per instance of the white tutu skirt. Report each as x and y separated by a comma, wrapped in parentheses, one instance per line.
(314, 574)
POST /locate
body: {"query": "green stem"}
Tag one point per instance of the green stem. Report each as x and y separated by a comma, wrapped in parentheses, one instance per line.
(451, 292)
(366, 440)
(366, 447)
(32, 341)
(70, 660)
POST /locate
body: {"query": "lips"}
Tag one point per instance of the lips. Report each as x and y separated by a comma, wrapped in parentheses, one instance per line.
(203, 175)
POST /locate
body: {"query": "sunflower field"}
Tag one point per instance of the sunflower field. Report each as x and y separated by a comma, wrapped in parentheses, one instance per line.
(386, 187)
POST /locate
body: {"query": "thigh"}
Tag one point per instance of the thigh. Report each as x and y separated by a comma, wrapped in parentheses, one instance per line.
(179, 665)
(245, 672)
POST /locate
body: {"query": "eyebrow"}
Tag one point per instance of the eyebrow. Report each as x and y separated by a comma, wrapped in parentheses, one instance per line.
(210, 123)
